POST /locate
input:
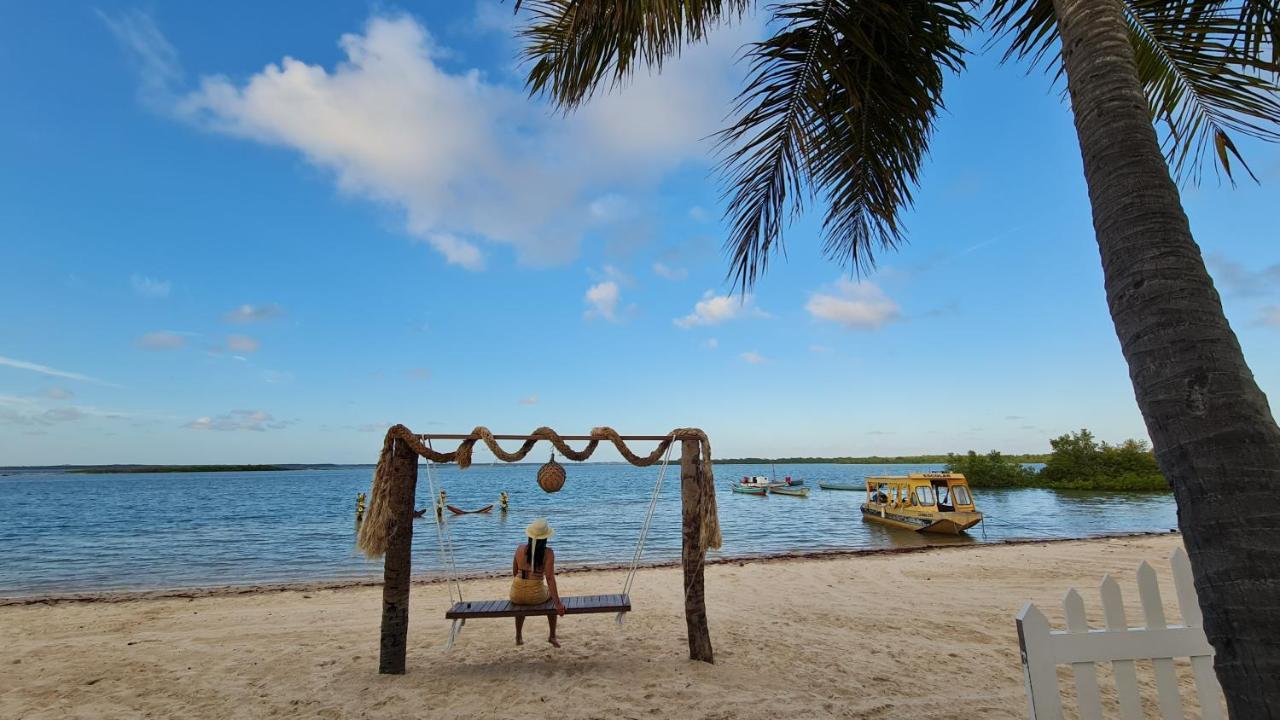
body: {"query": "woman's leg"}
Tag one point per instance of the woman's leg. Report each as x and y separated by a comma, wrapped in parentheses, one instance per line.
(519, 630)
(551, 621)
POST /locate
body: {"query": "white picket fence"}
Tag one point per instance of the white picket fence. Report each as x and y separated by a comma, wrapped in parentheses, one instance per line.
(1081, 646)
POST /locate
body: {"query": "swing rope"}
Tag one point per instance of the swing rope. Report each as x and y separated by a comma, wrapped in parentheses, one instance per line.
(644, 527)
(448, 559)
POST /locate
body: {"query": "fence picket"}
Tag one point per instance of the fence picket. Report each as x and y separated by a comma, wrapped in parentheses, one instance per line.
(1153, 613)
(1207, 687)
(1126, 673)
(1043, 649)
(1038, 672)
(1087, 695)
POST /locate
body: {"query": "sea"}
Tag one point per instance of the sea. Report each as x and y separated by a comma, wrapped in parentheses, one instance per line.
(64, 533)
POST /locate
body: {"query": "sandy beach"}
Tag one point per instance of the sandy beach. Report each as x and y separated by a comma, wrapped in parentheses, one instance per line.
(919, 635)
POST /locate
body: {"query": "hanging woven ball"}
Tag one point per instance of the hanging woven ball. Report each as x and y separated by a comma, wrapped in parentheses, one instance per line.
(551, 475)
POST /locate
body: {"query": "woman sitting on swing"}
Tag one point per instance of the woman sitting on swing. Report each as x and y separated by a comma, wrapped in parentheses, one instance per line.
(534, 562)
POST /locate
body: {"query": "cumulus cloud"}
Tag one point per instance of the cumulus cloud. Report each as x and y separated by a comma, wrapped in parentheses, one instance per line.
(466, 159)
(855, 306)
(245, 314)
(530, 400)
(149, 287)
(242, 343)
(714, 309)
(752, 357)
(674, 274)
(602, 301)
(52, 372)
(251, 420)
(162, 340)
(1236, 279)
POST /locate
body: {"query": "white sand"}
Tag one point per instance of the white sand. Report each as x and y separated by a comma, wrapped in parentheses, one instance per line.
(918, 635)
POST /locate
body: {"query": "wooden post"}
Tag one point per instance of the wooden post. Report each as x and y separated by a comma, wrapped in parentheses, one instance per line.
(694, 489)
(397, 563)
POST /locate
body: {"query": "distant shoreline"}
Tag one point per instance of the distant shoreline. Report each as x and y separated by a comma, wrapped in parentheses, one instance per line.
(136, 469)
(941, 459)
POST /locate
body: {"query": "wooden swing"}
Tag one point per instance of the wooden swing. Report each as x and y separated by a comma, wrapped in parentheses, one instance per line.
(388, 528)
(619, 604)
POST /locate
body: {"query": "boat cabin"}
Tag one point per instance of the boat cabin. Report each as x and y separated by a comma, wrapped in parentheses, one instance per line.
(928, 502)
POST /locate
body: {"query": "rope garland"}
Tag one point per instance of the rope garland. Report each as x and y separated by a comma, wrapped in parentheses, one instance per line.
(375, 530)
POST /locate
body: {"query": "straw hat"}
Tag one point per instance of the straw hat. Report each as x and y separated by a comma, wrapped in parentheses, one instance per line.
(539, 530)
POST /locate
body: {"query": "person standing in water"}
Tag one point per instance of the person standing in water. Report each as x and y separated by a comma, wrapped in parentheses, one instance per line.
(534, 576)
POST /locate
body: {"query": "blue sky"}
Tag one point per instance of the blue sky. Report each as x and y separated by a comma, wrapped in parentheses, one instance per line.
(262, 232)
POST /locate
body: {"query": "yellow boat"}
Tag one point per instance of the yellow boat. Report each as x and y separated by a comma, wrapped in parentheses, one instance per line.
(933, 502)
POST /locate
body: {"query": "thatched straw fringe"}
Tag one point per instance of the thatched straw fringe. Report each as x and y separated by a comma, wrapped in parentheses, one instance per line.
(372, 539)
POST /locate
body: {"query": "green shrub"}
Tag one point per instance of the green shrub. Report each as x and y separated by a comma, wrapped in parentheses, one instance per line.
(992, 470)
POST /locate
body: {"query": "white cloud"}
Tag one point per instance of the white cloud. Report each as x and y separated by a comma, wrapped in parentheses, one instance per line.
(154, 58)
(31, 412)
(468, 160)
(51, 372)
(855, 306)
(246, 314)
(712, 343)
(1237, 279)
(149, 287)
(674, 274)
(162, 340)
(603, 301)
(242, 343)
(1269, 316)
(714, 309)
(753, 357)
(252, 420)
(530, 400)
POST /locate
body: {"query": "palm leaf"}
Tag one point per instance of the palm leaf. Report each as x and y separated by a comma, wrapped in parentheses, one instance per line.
(574, 45)
(840, 103)
(1207, 67)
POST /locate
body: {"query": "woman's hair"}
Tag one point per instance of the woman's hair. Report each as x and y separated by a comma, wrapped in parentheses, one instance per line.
(534, 552)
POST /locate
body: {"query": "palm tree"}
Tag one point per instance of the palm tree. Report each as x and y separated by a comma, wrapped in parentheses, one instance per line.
(839, 110)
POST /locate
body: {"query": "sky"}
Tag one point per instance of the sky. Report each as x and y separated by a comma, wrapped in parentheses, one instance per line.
(264, 232)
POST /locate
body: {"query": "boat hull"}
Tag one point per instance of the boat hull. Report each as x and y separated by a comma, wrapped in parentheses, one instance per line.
(750, 490)
(941, 523)
(840, 486)
(793, 491)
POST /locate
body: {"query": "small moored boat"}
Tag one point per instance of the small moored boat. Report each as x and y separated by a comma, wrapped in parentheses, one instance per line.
(751, 489)
(793, 491)
(827, 485)
(925, 502)
(459, 511)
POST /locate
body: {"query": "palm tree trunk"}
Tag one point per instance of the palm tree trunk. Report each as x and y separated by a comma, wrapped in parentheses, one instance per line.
(1214, 435)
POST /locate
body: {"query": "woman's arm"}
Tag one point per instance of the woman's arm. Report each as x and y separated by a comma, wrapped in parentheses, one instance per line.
(515, 563)
(549, 572)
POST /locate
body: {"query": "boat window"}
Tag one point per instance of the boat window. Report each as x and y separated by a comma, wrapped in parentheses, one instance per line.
(961, 494)
(924, 495)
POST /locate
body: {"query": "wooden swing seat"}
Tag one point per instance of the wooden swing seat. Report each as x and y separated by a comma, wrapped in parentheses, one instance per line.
(573, 605)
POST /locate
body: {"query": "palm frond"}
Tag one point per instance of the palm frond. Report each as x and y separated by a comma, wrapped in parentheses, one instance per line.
(575, 45)
(1208, 69)
(840, 104)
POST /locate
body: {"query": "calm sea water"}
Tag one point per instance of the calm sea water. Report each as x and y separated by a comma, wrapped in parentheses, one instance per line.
(77, 533)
